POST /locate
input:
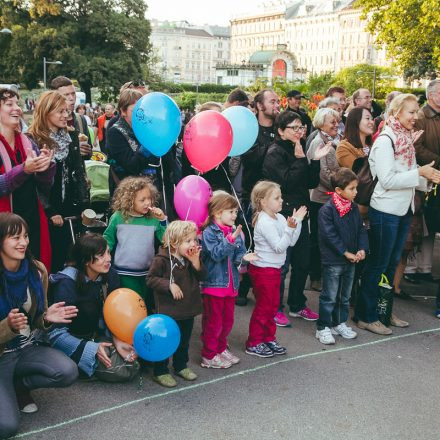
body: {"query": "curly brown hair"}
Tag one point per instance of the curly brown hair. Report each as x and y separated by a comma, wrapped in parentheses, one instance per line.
(123, 198)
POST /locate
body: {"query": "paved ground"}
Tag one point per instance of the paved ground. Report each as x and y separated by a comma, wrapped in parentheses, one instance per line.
(368, 388)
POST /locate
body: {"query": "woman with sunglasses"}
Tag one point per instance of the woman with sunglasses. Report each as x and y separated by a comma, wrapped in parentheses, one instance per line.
(286, 164)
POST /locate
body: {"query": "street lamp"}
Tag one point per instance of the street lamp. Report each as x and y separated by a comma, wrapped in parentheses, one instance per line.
(44, 69)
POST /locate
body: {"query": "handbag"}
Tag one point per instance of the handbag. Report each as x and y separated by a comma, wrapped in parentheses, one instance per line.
(385, 301)
(120, 371)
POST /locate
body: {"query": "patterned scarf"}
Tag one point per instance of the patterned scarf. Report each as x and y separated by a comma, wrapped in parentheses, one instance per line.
(342, 205)
(404, 146)
(62, 141)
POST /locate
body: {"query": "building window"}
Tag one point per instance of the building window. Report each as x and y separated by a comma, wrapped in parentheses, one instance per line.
(219, 54)
(232, 72)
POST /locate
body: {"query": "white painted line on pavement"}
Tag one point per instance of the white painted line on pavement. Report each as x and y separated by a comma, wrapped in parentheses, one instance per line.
(221, 379)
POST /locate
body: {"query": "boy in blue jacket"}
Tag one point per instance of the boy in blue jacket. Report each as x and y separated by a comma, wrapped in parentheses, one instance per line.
(343, 242)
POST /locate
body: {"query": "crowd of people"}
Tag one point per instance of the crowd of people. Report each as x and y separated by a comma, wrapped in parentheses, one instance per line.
(338, 199)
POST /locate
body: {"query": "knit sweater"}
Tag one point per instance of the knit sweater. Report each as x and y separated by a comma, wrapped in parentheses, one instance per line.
(132, 241)
(272, 237)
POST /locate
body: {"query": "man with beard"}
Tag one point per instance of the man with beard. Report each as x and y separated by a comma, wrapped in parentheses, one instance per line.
(267, 104)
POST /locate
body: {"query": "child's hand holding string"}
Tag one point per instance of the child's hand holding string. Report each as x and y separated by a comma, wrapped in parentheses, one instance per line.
(157, 213)
(176, 291)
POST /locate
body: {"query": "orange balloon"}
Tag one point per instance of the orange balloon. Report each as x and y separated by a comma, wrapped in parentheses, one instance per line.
(124, 309)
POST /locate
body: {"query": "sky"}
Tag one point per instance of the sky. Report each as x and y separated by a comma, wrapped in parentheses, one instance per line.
(215, 12)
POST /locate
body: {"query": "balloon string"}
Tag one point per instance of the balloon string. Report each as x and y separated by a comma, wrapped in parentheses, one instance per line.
(166, 214)
(241, 209)
(190, 204)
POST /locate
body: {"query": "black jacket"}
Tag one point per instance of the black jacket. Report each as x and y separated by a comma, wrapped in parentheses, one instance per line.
(253, 159)
(340, 234)
(295, 176)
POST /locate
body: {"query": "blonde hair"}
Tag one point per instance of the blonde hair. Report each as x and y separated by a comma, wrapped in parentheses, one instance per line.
(39, 129)
(259, 192)
(210, 105)
(127, 98)
(176, 232)
(125, 193)
(219, 201)
(399, 101)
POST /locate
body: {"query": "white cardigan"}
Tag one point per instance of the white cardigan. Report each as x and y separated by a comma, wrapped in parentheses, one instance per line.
(395, 189)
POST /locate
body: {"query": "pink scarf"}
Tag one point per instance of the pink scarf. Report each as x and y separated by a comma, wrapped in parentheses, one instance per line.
(404, 146)
(342, 205)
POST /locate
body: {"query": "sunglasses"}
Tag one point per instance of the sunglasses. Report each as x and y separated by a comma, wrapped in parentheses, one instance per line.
(137, 83)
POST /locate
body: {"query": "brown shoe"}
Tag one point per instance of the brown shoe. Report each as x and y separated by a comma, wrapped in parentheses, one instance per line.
(375, 327)
(396, 322)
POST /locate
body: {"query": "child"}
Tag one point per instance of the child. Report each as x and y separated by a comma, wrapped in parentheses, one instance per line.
(131, 231)
(273, 234)
(223, 251)
(343, 242)
(177, 292)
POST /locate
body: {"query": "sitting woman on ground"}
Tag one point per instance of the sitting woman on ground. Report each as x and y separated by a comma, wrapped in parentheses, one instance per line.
(25, 366)
(85, 284)
(393, 161)
(69, 193)
(26, 174)
(326, 120)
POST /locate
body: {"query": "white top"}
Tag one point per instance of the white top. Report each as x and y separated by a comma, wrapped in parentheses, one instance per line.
(395, 189)
(272, 237)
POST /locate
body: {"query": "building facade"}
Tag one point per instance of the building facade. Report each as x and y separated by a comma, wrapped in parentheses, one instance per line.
(188, 54)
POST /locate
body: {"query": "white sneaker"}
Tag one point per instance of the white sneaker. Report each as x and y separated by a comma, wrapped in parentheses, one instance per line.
(230, 357)
(325, 336)
(344, 331)
(215, 362)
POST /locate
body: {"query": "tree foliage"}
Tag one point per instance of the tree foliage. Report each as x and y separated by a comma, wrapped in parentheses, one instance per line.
(100, 42)
(411, 31)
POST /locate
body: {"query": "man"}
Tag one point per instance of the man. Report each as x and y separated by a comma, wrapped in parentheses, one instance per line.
(427, 151)
(77, 122)
(362, 98)
(339, 93)
(267, 105)
(237, 97)
(102, 125)
(294, 104)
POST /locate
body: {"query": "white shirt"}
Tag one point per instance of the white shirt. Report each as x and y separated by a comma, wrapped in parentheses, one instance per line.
(272, 237)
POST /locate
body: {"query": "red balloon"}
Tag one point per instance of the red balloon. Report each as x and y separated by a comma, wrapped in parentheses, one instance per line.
(207, 140)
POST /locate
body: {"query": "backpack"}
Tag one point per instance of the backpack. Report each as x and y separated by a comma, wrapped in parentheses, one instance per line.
(366, 183)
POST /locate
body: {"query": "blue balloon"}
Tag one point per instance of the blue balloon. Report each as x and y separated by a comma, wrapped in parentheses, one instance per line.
(156, 338)
(156, 122)
(244, 128)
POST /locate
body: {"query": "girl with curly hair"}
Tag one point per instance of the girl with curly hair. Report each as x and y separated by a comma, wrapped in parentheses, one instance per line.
(130, 235)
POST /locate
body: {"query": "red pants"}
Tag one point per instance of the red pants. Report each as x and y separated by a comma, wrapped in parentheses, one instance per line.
(266, 287)
(217, 322)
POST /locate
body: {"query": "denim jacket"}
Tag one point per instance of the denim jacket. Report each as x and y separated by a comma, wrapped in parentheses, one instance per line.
(216, 251)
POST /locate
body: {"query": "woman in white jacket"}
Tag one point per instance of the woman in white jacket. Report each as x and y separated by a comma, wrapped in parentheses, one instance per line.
(393, 161)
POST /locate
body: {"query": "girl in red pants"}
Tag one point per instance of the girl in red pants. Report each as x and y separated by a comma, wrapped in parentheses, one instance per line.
(273, 234)
(223, 251)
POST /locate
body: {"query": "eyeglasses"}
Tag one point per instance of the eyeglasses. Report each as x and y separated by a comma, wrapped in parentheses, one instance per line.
(137, 83)
(296, 128)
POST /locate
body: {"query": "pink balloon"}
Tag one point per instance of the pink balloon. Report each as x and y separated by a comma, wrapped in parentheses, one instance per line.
(191, 198)
(207, 140)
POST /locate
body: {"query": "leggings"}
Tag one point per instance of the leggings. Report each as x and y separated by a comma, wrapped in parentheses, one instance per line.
(36, 367)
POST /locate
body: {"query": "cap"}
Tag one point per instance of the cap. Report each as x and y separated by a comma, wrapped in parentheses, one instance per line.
(295, 94)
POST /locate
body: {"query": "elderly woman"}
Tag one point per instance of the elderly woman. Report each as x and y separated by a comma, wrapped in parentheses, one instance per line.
(25, 365)
(393, 161)
(26, 174)
(286, 164)
(124, 150)
(69, 193)
(326, 120)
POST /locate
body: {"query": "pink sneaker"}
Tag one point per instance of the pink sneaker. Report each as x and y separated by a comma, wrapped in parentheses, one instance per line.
(281, 320)
(305, 313)
(229, 356)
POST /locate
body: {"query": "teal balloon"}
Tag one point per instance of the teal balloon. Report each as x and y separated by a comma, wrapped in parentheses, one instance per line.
(156, 122)
(156, 338)
(244, 128)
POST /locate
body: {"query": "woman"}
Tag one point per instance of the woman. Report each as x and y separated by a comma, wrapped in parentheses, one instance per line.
(286, 164)
(69, 193)
(85, 284)
(25, 174)
(392, 160)
(23, 309)
(326, 120)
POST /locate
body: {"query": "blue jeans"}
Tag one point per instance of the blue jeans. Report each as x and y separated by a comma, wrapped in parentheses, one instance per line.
(388, 234)
(337, 281)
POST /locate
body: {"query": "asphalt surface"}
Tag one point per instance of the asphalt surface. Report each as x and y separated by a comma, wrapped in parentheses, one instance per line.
(372, 387)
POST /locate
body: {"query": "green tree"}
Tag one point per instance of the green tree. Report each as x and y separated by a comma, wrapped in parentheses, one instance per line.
(100, 42)
(410, 29)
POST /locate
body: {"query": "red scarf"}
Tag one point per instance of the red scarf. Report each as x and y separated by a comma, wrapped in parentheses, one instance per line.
(342, 205)
(21, 145)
